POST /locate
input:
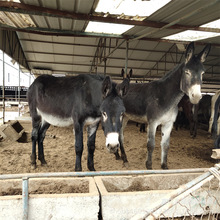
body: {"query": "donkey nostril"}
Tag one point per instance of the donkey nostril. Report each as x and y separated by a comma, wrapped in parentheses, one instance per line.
(192, 95)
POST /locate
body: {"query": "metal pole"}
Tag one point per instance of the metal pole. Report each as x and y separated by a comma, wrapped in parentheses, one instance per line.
(126, 58)
(105, 59)
(25, 197)
(101, 173)
(3, 88)
(19, 90)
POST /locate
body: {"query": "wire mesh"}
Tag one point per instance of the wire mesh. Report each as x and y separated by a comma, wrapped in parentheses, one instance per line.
(198, 199)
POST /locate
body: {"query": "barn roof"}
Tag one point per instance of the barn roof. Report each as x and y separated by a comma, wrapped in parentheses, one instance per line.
(53, 38)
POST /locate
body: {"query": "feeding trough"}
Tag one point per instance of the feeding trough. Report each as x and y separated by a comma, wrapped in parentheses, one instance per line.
(124, 197)
(51, 198)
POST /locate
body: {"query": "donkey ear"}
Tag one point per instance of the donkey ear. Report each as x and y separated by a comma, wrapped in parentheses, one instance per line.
(189, 52)
(122, 73)
(123, 87)
(106, 86)
(130, 73)
(203, 54)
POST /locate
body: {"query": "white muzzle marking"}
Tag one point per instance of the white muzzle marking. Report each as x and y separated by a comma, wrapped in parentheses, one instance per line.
(195, 94)
(112, 142)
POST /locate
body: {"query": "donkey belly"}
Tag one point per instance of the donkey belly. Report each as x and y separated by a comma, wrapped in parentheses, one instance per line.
(137, 118)
(169, 116)
(159, 119)
(55, 120)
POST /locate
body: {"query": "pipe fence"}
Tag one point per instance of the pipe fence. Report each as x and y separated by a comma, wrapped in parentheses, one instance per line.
(198, 199)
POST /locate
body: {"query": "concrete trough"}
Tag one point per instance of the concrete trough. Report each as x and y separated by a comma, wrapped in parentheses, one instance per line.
(51, 198)
(123, 197)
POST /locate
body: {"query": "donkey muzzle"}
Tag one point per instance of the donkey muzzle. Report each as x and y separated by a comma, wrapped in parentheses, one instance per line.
(112, 142)
(195, 94)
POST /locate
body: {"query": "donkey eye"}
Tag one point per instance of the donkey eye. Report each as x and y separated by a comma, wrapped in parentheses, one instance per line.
(104, 115)
(121, 116)
(188, 72)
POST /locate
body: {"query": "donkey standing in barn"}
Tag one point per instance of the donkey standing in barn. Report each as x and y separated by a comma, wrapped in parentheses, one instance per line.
(156, 102)
(81, 100)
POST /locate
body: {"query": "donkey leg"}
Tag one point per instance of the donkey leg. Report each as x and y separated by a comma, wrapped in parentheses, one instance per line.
(41, 136)
(117, 156)
(121, 141)
(91, 136)
(34, 137)
(78, 145)
(165, 143)
(123, 154)
(151, 131)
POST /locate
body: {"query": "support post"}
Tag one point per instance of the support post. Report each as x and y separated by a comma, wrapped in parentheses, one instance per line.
(3, 88)
(19, 90)
(105, 59)
(126, 58)
(25, 197)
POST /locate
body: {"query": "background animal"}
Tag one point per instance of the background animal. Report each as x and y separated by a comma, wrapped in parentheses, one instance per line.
(213, 100)
(186, 116)
(194, 114)
(129, 75)
(215, 124)
(156, 102)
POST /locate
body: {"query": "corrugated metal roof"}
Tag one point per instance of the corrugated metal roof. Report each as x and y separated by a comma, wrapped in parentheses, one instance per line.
(55, 40)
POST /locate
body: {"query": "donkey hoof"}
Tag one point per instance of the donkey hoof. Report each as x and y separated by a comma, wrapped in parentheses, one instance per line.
(126, 165)
(43, 162)
(164, 167)
(148, 166)
(33, 166)
(44, 165)
(78, 169)
(91, 168)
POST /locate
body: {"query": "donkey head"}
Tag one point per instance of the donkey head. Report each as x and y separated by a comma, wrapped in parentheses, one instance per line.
(125, 75)
(193, 70)
(112, 110)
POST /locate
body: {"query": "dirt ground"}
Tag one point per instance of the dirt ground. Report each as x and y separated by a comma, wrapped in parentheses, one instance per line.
(184, 152)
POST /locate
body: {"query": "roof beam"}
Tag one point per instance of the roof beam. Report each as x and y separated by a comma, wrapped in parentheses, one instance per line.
(100, 65)
(109, 57)
(122, 48)
(58, 32)
(42, 11)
